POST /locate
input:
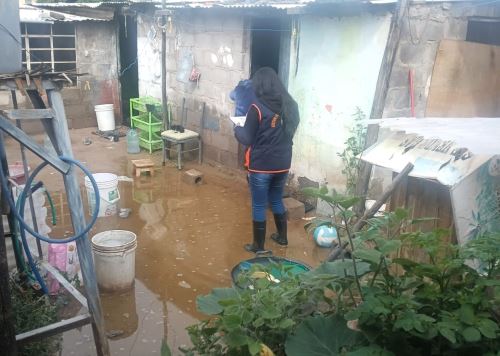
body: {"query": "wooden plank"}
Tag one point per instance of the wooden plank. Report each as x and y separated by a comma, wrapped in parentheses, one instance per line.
(365, 169)
(465, 81)
(28, 114)
(53, 329)
(68, 286)
(74, 197)
(30, 144)
(388, 59)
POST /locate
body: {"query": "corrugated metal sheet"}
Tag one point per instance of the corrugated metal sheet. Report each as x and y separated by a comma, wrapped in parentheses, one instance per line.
(87, 5)
(32, 14)
(442, 149)
(282, 5)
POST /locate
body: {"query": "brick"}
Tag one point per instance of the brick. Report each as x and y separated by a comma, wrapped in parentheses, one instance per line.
(192, 176)
(295, 208)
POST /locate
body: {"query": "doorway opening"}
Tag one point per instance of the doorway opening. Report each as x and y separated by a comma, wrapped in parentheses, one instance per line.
(129, 74)
(266, 43)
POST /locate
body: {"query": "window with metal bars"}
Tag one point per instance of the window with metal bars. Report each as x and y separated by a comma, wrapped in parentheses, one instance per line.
(52, 45)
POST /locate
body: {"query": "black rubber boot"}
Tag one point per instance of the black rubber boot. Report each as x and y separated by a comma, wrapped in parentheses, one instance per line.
(281, 236)
(259, 236)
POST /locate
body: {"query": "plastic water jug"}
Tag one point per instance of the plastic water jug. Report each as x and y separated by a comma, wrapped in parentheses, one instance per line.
(132, 141)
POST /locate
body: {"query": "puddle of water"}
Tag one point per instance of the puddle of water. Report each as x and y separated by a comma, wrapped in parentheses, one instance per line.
(189, 239)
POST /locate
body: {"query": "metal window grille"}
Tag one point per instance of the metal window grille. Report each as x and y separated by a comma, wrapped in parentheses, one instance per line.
(52, 45)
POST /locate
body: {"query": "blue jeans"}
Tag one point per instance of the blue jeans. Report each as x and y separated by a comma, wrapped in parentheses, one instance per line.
(267, 188)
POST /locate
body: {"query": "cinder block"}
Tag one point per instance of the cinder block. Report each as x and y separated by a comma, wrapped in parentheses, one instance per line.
(295, 208)
(192, 176)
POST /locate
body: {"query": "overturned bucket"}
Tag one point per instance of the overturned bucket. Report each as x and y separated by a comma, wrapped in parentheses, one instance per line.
(114, 259)
(107, 183)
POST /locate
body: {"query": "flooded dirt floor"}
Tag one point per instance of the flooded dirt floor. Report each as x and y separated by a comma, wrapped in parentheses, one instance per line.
(189, 239)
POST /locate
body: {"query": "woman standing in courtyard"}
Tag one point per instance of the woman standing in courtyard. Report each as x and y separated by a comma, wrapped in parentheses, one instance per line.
(268, 133)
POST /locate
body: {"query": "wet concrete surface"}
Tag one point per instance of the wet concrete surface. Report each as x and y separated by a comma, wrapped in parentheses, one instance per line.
(189, 239)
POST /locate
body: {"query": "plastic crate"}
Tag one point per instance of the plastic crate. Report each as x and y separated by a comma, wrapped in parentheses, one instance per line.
(145, 104)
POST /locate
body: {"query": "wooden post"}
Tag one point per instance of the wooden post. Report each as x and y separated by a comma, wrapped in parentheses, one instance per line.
(166, 124)
(74, 197)
(365, 169)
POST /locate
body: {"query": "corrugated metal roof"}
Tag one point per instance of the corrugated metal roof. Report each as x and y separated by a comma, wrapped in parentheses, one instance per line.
(277, 4)
(87, 5)
(32, 14)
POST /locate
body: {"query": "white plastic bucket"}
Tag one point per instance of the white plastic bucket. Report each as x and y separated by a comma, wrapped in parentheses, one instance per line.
(114, 259)
(105, 117)
(107, 183)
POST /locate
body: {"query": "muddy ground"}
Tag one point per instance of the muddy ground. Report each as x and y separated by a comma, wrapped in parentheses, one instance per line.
(189, 239)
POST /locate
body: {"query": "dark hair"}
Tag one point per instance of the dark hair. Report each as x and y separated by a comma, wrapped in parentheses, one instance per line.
(272, 93)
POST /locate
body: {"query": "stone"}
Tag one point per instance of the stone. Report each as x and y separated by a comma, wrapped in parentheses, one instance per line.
(192, 176)
(295, 208)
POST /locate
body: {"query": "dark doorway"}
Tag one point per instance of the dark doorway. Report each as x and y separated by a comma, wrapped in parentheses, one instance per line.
(484, 30)
(129, 75)
(266, 41)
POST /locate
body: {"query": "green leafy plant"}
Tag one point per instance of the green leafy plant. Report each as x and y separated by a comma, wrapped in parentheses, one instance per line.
(371, 301)
(354, 145)
(33, 311)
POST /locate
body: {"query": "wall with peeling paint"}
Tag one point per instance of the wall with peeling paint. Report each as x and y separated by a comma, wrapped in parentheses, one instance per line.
(334, 67)
(97, 57)
(218, 46)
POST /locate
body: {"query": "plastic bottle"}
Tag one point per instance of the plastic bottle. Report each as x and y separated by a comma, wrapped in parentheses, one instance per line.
(132, 142)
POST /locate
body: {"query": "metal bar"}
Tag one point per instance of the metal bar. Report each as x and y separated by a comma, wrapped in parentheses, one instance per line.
(166, 124)
(7, 329)
(69, 287)
(60, 125)
(25, 169)
(34, 147)
(52, 329)
(28, 114)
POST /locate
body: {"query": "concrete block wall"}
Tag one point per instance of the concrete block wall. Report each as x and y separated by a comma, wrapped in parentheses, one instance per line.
(219, 46)
(425, 25)
(96, 55)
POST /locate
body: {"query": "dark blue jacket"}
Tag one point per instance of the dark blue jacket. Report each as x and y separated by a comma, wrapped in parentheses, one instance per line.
(243, 96)
(269, 150)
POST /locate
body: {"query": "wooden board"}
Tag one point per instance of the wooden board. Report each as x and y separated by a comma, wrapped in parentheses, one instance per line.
(424, 199)
(465, 81)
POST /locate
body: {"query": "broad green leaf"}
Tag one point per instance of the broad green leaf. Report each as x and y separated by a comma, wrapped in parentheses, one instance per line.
(471, 334)
(323, 189)
(209, 304)
(467, 314)
(340, 268)
(349, 202)
(369, 255)
(448, 334)
(231, 321)
(254, 347)
(389, 246)
(236, 338)
(165, 350)
(488, 328)
(321, 336)
(270, 312)
(286, 323)
(372, 350)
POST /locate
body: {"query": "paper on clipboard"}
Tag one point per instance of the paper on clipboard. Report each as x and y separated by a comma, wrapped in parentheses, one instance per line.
(238, 120)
